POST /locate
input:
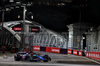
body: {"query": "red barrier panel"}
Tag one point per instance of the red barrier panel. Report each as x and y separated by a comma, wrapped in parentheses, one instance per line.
(55, 50)
(80, 53)
(87, 54)
(74, 52)
(96, 55)
(48, 49)
(36, 48)
(25, 50)
(69, 51)
(99, 56)
(91, 54)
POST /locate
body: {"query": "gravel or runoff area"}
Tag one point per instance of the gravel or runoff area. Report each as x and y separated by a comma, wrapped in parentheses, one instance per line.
(7, 59)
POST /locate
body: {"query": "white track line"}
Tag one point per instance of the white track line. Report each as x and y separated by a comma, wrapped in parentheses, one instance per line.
(92, 60)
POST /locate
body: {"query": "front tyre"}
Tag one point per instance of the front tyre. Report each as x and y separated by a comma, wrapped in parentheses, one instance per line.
(46, 57)
(45, 60)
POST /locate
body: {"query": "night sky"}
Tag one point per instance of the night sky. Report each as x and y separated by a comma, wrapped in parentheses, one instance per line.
(57, 17)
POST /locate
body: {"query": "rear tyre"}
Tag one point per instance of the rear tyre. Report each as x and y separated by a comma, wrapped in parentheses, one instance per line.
(17, 57)
(31, 58)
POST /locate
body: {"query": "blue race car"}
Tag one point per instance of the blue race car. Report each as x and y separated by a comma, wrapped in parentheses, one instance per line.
(31, 57)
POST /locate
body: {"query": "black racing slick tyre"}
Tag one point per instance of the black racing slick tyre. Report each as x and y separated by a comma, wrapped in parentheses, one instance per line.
(17, 57)
(45, 60)
(47, 57)
(31, 58)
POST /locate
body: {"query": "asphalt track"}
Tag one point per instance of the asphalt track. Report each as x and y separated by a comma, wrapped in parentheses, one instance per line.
(57, 60)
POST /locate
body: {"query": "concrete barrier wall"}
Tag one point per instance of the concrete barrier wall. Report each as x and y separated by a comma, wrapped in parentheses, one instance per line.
(58, 50)
(93, 55)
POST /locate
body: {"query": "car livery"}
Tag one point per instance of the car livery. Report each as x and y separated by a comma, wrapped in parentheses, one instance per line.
(31, 57)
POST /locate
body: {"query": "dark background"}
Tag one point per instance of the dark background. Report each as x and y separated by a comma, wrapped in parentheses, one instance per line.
(54, 16)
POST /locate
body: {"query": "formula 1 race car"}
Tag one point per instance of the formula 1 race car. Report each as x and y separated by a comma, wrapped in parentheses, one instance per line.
(31, 57)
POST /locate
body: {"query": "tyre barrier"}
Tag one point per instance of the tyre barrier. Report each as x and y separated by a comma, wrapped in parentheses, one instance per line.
(94, 55)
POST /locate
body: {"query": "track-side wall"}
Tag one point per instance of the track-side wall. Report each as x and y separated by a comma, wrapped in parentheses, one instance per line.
(93, 55)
